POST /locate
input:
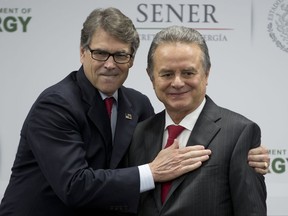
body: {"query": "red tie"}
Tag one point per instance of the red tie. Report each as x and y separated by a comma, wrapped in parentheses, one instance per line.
(173, 132)
(109, 103)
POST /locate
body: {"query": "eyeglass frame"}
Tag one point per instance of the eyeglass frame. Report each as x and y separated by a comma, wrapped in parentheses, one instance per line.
(110, 54)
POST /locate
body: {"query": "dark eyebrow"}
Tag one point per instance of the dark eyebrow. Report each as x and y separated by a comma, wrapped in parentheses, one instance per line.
(100, 50)
(163, 71)
(105, 51)
(115, 53)
(190, 69)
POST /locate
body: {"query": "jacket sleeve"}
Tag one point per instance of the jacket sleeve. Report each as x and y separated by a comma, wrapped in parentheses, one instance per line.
(247, 187)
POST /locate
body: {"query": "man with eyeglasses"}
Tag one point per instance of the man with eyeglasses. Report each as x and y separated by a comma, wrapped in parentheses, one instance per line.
(70, 159)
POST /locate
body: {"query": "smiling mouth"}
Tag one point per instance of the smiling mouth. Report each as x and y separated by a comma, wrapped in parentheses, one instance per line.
(110, 74)
(177, 93)
(110, 78)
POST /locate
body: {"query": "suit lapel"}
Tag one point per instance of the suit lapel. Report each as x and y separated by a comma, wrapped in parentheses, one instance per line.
(101, 121)
(95, 108)
(154, 136)
(126, 122)
(153, 145)
(204, 131)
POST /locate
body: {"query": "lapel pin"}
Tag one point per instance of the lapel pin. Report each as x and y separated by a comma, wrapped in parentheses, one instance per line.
(128, 116)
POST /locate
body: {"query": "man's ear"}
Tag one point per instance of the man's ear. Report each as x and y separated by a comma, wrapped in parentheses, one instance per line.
(147, 71)
(207, 77)
(82, 54)
(131, 62)
(150, 77)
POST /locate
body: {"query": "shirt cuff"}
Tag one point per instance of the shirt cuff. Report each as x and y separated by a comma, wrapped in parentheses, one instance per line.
(146, 178)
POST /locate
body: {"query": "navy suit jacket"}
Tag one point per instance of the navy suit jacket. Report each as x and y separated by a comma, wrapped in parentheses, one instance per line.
(64, 164)
(225, 185)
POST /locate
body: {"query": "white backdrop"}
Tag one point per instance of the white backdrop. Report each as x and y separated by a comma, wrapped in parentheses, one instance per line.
(248, 41)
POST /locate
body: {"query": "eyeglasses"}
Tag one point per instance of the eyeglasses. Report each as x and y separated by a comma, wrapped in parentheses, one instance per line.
(100, 55)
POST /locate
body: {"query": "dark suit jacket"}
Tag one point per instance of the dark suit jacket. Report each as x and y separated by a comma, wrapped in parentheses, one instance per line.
(224, 185)
(63, 164)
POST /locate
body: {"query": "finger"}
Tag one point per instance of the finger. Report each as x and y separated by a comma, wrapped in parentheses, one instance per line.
(257, 151)
(175, 144)
(259, 165)
(261, 171)
(191, 161)
(191, 148)
(197, 153)
(189, 168)
(259, 158)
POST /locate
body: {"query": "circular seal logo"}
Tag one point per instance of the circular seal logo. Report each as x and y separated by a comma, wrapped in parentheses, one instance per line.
(278, 24)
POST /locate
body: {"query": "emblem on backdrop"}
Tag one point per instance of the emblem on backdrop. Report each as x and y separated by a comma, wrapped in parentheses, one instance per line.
(278, 24)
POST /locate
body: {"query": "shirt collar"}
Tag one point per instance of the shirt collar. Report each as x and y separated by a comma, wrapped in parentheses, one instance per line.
(104, 96)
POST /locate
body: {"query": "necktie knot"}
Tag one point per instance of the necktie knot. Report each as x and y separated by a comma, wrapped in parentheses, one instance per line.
(109, 103)
(173, 133)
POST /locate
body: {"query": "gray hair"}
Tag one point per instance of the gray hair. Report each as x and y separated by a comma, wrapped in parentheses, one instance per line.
(114, 22)
(180, 34)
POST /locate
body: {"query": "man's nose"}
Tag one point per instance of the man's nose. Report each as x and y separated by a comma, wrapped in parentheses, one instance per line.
(177, 81)
(110, 63)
